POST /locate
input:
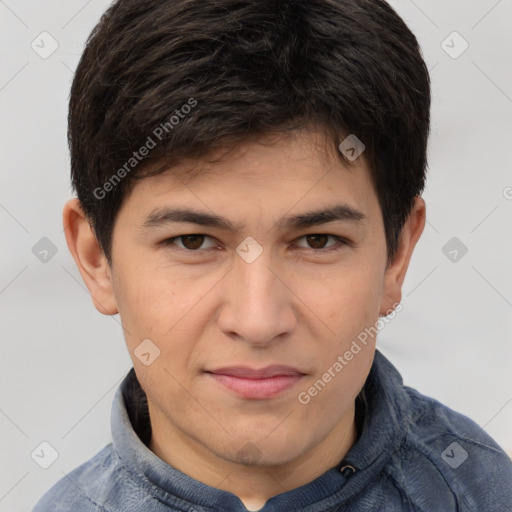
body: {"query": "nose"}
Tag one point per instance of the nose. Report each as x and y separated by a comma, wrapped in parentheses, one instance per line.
(258, 305)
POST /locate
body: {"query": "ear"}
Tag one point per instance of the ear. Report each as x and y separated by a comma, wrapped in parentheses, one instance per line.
(89, 257)
(395, 273)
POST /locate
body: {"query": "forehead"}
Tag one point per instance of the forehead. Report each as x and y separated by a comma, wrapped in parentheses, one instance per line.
(278, 173)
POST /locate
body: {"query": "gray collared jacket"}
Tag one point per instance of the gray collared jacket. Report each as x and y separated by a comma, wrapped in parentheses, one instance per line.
(413, 454)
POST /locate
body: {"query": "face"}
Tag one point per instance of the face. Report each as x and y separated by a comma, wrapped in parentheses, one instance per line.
(270, 285)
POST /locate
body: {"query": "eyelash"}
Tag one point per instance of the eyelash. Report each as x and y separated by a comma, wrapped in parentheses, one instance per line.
(342, 242)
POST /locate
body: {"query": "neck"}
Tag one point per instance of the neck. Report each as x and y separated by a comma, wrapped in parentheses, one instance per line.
(253, 484)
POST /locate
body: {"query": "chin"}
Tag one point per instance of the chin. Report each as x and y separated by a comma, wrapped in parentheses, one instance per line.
(260, 451)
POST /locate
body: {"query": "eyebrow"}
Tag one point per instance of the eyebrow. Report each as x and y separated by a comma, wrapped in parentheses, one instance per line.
(338, 212)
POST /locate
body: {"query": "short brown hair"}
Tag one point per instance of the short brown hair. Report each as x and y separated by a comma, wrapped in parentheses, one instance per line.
(247, 69)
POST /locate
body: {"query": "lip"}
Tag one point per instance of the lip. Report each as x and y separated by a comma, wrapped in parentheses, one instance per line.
(246, 372)
(257, 384)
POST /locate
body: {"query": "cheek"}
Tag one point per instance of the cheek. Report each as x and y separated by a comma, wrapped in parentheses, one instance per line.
(144, 304)
(347, 300)
(166, 310)
(348, 305)
(331, 393)
(135, 303)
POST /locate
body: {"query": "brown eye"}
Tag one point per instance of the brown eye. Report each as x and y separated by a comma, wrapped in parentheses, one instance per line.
(317, 241)
(192, 242)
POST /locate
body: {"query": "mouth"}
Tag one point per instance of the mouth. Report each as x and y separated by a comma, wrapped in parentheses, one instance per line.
(257, 384)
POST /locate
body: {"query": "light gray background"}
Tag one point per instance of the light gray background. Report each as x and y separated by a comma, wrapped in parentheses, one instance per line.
(61, 360)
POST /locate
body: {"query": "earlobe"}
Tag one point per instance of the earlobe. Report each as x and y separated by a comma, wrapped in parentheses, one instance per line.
(396, 271)
(89, 257)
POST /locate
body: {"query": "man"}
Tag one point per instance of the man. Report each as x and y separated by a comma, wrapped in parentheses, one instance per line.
(249, 179)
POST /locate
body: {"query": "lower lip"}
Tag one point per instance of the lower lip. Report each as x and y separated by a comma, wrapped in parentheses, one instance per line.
(257, 388)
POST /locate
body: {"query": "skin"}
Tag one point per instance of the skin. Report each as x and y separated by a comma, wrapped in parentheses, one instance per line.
(296, 304)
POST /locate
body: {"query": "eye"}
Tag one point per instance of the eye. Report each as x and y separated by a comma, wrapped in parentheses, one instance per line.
(189, 243)
(317, 242)
(194, 242)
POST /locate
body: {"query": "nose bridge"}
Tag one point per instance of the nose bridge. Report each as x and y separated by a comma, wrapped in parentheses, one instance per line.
(256, 307)
(252, 266)
(255, 279)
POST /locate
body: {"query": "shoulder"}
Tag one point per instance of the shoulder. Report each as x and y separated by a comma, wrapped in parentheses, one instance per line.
(81, 490)
(448, 448)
